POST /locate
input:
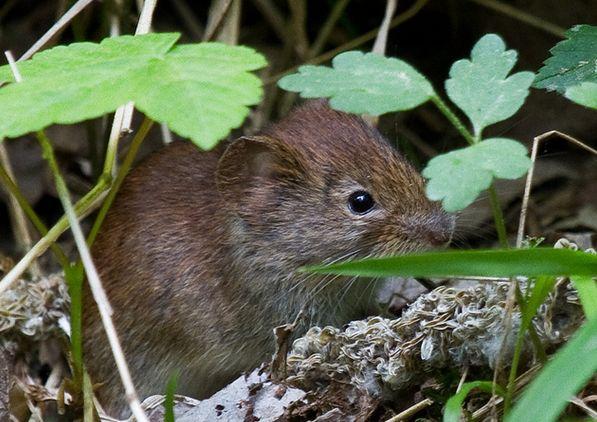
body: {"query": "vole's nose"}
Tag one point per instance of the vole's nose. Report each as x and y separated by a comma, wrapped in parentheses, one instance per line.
(435, 228)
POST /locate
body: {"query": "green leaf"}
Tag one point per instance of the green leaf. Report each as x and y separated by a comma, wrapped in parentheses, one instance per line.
(489, 263)
(583, 94)
(362, 83)
(74, 276)
(587, 293)
(541, 288)
(453, 407)
(201, 90)
(572, 62)
(472, 169)
(480, 86)
(169, 397)
(570, 369)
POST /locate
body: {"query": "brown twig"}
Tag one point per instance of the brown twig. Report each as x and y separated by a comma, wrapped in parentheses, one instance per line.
(522, 16)
(275, 19)
(406, 15)
(188, 18)
(380, 44)
(381, 41)
(413, 410)
(56, 28)
(97, 290)
(216, 19)
(527, 187)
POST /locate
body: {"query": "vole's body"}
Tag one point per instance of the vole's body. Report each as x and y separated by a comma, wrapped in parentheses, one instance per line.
(199, 251)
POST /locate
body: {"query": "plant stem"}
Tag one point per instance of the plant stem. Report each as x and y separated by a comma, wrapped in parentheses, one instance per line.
(18, 218)
(122, 172)
(534, 337)
(14, 190)
(453, 118)
(403, 17)
(82, 208)
(74, 278)
(93, 279)
(522, 16)
(498, 217)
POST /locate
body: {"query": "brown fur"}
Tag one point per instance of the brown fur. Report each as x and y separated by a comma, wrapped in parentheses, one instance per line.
(199, 252)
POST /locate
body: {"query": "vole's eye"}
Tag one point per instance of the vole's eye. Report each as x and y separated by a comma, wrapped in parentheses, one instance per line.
(360, 202)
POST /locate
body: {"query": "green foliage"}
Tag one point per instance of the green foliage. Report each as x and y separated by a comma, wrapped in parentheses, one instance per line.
(169, 397)
(584, 94)
(200, 91)
(454, 405)
(481, 86)
(373, 84)
(74, 275)
(586, 287)
(490, 263)
(528, 308)
(538, 293)
(572, 61)
(362, 83)
(570, 369)
(472, 169)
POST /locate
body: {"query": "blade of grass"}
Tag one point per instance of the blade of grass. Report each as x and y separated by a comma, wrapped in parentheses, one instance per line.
(560, 379)
(169, 399)
(587, 293)
(453, 408)
(74, 276)
(528, 309)
(492, 263)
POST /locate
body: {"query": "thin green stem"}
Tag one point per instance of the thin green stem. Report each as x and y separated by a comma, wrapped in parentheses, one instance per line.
(14, 190)
(453, 118)
(74, 276)
(111, 151)
(95, 284)
(126, 165)
(498, 217)
(526, 325)
(82, 207)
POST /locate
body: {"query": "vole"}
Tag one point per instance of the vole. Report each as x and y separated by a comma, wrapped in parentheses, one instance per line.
(200, 250)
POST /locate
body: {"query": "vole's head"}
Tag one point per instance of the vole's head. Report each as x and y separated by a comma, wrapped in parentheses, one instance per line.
(323, 185)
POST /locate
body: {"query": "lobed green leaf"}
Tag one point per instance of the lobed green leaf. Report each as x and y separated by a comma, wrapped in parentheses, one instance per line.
(571, 367)
(583, 94)
(200, 91)
(481, 86)
(362, 83)
(572, 62)
(488, 263)
(472, 170)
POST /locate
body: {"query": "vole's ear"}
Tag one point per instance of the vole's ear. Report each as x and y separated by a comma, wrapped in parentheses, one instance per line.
(253, 162)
